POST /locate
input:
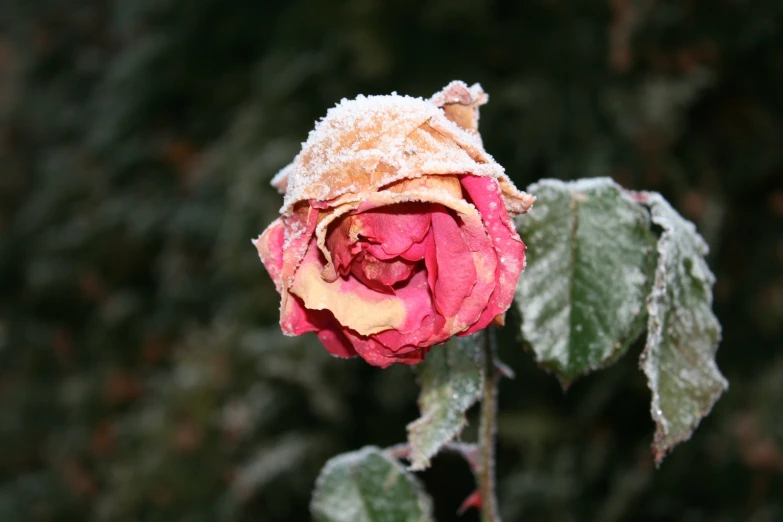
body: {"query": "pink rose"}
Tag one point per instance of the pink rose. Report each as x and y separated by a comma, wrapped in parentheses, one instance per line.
(395, 232)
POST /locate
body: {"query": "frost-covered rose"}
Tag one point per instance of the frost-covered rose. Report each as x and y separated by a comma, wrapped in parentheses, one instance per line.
(395, 232)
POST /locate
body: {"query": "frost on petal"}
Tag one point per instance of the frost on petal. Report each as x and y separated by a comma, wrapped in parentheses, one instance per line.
(509, 249)
(516, 201)
(367, 143)
(461, 103)
(270, 249)
(343, 151)
(299, 228)
(280, 180)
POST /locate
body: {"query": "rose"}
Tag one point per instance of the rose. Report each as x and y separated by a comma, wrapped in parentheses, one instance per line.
(395, 231)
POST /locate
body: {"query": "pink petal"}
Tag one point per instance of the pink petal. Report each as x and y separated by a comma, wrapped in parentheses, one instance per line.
(299, 228)
(353, 304)
(386, 232)
(270, 249)
(377, 354)
(416, 251)
(335, 341)
(485, 261)
(299, 320)
(395, 227)
(423, 325)
(485, 195)
(381, 275)
(340, 244)
(455, 274)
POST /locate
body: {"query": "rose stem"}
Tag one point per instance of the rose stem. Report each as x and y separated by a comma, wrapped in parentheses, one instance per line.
(487, 431)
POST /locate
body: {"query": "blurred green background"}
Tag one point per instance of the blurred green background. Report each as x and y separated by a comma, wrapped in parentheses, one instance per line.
(142, 374)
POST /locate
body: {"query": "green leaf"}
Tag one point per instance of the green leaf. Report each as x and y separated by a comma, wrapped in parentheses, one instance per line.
(682, 331)
(368, 486)
(591, 256)
(450, 379)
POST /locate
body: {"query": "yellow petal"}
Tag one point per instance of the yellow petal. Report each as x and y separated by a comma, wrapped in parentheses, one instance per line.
(366, 312)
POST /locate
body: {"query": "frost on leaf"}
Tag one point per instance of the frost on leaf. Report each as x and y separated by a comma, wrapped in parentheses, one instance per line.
(368, 486)
(682, 331)
(450, 379)
(591, 256)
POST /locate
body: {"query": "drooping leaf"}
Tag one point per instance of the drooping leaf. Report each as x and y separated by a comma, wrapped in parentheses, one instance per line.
(682, 331)
(450, 379)
(590, 262)
(368, 486)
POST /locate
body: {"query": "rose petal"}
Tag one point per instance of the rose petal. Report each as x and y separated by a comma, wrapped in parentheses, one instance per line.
(299, 229)
(364, 144)
(485, 261)
(422, 325)
(485, 195)
(448, 192)
(381, 275)
(336, 342)
(270, 249)
(298, 320)
(377, 354)
(353, 304)
(395, 227)
(416, 251)
(436, 187)
(340, 242)
(455, 273)
(386, 232)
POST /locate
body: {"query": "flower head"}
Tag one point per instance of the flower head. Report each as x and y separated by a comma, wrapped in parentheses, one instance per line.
(395, 230)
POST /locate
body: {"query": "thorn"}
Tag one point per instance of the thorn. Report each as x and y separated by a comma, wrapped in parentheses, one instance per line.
(473, 501)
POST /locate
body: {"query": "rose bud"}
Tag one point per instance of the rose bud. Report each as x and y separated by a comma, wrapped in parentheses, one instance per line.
(395, 231)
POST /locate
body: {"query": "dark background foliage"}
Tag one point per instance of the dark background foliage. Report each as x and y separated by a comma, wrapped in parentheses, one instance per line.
(142, 375)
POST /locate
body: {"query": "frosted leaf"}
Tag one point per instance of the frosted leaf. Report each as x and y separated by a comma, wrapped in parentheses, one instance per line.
(368, 486)
(682, 331)
(589, 267)
(450, 379)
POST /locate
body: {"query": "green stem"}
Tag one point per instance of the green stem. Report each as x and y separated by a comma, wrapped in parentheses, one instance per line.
(489, 510)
